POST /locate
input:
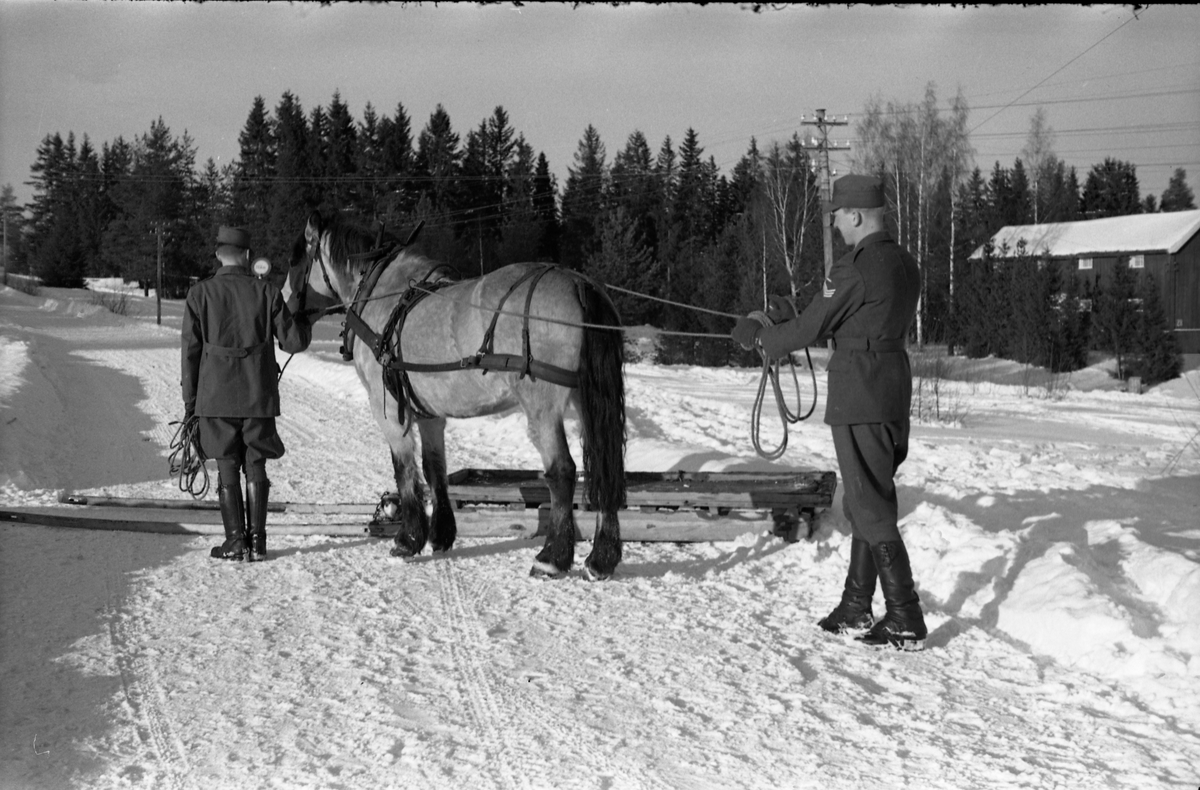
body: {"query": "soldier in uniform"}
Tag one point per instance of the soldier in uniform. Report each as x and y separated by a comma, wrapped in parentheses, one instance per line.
(230, 384)
(866, 308)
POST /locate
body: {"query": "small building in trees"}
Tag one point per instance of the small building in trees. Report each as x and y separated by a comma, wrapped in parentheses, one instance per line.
(1166, 246)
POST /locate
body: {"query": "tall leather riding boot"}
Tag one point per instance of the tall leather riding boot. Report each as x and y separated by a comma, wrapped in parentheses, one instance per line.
(903, 626)
(256, 517)
(233, 517)
(854, 612)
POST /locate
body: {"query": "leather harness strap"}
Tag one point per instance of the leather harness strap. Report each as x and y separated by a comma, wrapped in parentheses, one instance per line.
(386, 348)
(354, 325)
(879, 345)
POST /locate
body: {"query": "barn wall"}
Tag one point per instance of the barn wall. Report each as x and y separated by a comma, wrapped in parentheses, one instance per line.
(1185, 316)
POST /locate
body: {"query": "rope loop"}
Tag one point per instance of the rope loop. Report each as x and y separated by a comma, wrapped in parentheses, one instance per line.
(770, 372)
(187, 459)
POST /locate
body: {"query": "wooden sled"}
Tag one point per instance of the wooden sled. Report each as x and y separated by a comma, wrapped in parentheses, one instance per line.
(494, 503)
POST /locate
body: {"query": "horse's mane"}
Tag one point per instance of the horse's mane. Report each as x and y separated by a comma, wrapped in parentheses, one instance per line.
(348, 238)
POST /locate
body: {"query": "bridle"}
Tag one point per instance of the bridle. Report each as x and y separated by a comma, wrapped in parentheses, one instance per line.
(312, 250)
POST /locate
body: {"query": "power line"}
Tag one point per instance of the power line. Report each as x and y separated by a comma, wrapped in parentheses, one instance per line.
(1097, 77)
(1051, 74)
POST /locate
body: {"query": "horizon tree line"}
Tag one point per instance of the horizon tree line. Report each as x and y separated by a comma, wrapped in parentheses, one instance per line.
(664, 222)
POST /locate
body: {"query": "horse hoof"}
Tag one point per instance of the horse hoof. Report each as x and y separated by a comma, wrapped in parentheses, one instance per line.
(442, 549)
(404, 552)
(545, 570)
(593, 575)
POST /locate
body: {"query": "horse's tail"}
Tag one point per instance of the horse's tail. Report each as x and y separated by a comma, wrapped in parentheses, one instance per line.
(602, 401)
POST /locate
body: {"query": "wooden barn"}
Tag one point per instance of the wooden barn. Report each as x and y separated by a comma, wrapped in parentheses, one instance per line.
(1165, 245)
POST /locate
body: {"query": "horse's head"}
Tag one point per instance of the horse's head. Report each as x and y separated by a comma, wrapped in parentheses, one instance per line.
(308, 287)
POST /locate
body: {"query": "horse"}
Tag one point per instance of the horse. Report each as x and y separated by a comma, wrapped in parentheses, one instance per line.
(428, 346)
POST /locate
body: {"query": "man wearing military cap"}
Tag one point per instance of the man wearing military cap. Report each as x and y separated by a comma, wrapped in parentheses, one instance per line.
(866, 308)
(230, 385)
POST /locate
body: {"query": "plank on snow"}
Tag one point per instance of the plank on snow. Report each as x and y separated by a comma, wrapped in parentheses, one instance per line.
(478, 522)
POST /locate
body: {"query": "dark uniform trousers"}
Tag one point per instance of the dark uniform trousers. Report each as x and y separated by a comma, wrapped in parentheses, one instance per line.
(868, 456)
(230, 379)
(866, 307)
(235, 443)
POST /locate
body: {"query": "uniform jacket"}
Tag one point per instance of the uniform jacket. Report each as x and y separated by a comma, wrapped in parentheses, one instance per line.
(866, 307)
(229, 323)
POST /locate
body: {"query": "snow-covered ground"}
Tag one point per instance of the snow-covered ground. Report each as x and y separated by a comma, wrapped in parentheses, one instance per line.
(1054, 531)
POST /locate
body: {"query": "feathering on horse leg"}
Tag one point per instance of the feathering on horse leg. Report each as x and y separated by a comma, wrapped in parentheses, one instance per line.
(433, 459)
(544, 409)
(414, 521)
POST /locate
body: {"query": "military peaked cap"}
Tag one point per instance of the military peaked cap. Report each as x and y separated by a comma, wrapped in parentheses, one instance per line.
(235, 237)
(856, 192)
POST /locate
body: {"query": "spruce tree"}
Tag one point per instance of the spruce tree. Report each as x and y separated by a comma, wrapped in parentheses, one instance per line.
(1020, 208)
(545, 205)
(1069, 327)
(292, 193)
(317, 159)
(1178, 195)
(254, 173)
(1115, 316)
(341, 164)
(622, 259)
(399, 193)
(1111, 190)
(1155, 348)
(634, 188)
(438, 160)
(520, 232)
(584, 199)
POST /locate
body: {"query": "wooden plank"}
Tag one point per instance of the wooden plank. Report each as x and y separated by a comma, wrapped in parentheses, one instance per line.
(78, 519)
(90, 500)
(678, 489)
(524, 487)
(636, 526)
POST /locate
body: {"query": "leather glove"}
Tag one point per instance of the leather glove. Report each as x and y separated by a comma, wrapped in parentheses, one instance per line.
(746, 330)
(774, 342)
(781, 309)
(188, 415)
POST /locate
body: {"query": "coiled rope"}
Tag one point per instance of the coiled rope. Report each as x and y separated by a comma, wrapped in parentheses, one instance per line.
(771, 369)
(187, 459)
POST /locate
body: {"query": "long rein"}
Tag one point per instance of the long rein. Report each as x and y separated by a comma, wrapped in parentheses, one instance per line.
(770, 371)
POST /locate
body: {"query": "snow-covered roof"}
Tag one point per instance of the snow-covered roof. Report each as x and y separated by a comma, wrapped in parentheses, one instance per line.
(1166, 232)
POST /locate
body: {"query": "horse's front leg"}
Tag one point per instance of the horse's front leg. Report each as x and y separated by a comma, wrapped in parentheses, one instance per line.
(414, 522)
(433, 459)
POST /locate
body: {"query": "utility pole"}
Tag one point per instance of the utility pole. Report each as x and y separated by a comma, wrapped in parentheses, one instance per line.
(5, 209)
(823, 145)
(158, 292)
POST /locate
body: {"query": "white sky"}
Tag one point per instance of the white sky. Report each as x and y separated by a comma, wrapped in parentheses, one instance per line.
(1112, 85)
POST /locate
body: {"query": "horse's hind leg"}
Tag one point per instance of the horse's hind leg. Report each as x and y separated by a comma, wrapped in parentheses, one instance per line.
(606, 548)
(433, 458)
(414, 523)
(546, 431)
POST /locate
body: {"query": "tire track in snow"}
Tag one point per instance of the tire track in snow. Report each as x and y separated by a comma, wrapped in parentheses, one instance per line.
(527, 726)
(144, 695)
(468, 650)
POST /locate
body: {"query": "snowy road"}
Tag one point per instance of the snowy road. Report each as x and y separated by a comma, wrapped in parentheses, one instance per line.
(1058, 563)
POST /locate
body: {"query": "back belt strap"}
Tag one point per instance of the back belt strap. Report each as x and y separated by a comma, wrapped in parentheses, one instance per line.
(236, 353)
(868, 344)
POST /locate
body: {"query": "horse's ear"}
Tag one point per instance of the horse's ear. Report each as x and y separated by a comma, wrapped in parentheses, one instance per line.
(312, 230)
